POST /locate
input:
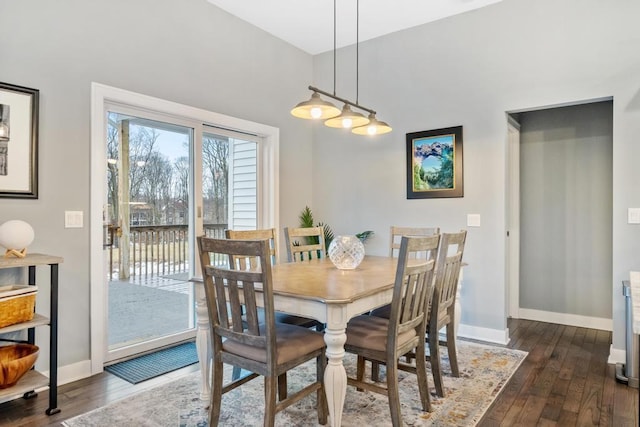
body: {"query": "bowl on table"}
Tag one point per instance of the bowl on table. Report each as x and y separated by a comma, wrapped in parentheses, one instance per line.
(15, 361)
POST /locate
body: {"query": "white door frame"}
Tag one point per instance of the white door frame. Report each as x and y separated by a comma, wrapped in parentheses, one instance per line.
(101, 95)
(513, 217)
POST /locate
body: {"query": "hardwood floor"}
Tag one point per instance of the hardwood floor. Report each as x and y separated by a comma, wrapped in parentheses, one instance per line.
(564, 381)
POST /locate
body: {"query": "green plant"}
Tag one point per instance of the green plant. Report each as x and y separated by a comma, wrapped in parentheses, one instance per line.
(306, 220)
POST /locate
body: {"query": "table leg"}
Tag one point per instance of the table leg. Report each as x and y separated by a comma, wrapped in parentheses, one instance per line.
(335, 376)
(203, 344)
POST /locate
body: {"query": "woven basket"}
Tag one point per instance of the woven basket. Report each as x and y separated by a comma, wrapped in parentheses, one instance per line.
(17, 304)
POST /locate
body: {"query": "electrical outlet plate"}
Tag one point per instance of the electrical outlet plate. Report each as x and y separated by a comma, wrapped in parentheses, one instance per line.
(633, 216)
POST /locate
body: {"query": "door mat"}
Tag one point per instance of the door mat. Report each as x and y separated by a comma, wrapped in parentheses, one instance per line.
(154, 364)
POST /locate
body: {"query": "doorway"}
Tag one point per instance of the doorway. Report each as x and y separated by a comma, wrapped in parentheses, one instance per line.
(564, 223)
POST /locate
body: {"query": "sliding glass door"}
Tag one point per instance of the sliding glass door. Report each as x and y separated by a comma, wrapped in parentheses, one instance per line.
(150, 297)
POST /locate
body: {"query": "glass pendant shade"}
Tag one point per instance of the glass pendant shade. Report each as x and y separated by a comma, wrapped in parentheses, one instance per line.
(315, 108)
(374, 127)
(347, 119)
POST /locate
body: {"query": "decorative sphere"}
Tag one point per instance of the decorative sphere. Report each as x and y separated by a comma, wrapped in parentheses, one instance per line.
(346, 252)
(16, 234)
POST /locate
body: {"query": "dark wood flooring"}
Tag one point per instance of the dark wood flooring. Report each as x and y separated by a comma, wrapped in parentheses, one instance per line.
(564, 381)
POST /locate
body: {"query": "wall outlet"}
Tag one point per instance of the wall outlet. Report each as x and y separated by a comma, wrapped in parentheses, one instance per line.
(633, 216)
(473, 220)
(73, 219)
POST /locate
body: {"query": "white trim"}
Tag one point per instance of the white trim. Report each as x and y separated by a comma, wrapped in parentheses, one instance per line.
(102, 95)
(617, 355)
(497, 336)
(566, 319)
(512, 240)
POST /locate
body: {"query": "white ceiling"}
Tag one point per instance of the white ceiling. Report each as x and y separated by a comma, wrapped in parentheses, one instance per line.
(308, 24)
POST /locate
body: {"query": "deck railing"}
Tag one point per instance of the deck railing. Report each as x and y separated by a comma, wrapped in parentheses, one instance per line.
(156, 250)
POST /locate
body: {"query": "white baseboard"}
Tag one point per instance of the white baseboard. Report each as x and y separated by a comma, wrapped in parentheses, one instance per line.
(497, 336)
(73, 372)
(566, 319)
(617, 355)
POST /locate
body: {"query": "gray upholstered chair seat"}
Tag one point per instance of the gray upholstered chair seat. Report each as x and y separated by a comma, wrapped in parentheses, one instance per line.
(291, 342)
(371, 332)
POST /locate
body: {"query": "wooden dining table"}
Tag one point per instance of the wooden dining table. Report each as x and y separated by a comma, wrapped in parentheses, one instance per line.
(317, 289)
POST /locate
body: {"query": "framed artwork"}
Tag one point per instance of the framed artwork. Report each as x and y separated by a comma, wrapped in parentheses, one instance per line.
(434, 163)
(18, 141)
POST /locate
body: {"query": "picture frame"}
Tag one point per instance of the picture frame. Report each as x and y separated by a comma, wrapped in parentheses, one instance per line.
(19, 108)
(434, 163)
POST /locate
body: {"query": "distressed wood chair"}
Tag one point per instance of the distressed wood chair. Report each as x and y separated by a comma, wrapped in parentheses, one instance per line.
(304, 243)
(442, 313)
(386, 340)
(266, 349)
(397, 233)
(394, 248)
(240, 263)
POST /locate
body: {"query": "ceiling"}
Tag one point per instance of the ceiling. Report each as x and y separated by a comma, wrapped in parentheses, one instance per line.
(308, 24)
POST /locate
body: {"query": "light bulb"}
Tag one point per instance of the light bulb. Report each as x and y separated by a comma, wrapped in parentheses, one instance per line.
(372, 130)
(346, 123)
(316, 112)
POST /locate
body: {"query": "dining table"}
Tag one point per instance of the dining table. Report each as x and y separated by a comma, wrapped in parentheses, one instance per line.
(316, 289)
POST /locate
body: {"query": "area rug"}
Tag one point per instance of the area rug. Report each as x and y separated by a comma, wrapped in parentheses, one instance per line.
(484, 370)
(155, 364)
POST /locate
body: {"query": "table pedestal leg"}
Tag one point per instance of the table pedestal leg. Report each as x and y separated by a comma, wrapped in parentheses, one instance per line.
(335, 376)
(203, 345)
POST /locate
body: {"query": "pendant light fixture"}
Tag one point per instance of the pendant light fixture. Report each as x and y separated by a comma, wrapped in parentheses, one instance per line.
(317, 108)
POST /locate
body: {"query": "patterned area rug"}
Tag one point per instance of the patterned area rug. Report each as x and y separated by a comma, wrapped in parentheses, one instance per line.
(484, 372)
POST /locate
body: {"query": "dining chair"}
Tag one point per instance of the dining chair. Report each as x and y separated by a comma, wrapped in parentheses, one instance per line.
(269, 234)
(304, 243)
(442, 313)
(386, 340)
(394, 247)
(397, 233)
(251, 263)
(267, 349)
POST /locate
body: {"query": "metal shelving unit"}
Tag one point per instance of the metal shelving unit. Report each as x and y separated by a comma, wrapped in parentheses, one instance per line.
(33, 379)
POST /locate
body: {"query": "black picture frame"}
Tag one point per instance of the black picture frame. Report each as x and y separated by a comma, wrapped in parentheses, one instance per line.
(19, 108)
(434, 163)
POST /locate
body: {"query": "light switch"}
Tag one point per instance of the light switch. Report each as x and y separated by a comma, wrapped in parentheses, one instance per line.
(633, 216)
(73, 219)
(473, 220)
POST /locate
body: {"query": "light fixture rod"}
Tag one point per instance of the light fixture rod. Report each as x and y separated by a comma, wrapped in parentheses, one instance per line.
(346, 101)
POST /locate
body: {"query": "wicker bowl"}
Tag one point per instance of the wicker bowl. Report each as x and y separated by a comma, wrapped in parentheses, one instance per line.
(15, 361)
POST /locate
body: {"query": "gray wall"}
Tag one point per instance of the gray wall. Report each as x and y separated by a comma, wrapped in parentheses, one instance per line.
(469, 70)
(565, 209)
(183, 51)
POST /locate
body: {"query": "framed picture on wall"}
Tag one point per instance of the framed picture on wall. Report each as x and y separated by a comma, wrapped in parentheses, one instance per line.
(18, 142)
(434, 163)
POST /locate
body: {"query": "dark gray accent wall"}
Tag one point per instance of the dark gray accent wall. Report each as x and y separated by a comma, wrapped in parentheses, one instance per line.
(566, 183)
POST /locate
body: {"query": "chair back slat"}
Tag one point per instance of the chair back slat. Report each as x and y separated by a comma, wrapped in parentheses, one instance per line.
(266, 233)
(304, 243)
(412, 288)
(448, 270)
(398, 232)
(230, 289)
